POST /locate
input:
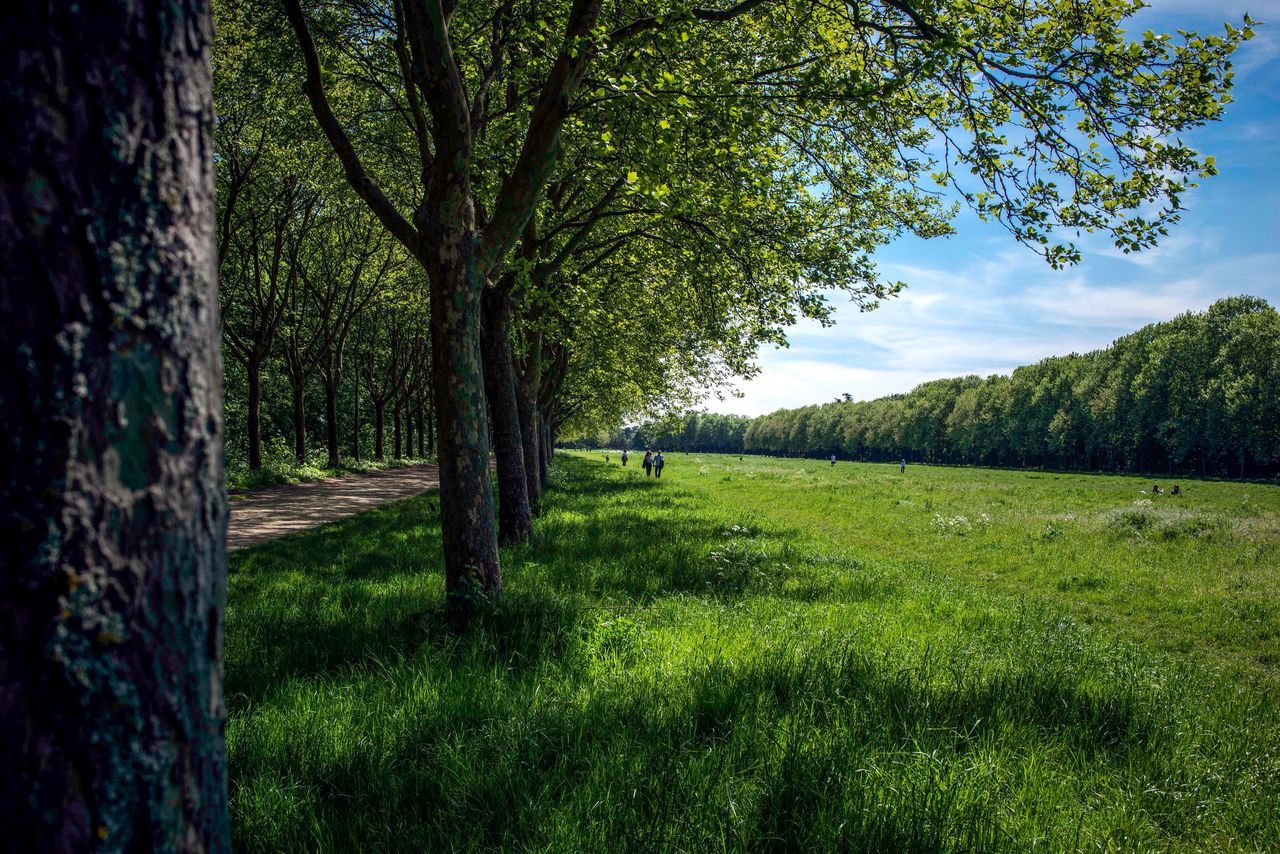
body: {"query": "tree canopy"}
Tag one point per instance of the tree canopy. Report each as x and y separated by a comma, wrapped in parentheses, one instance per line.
(611, 207)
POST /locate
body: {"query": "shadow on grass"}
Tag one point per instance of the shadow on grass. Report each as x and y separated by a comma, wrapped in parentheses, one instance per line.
(770, 751)
(371, 586)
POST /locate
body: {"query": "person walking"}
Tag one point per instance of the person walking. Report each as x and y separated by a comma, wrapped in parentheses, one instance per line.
(648, 462)
(902, 466)
(658, 463)
(833, 460)
(624, 456)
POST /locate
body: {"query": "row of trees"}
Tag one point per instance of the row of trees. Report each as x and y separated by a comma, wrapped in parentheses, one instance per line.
(706, 432)
(315, 295)
(1200, 393)
(567, 208)
(609, 202)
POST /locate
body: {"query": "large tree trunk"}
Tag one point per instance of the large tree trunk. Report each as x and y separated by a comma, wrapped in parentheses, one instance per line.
(466, 494)
(113, 557)
(253, 367)
(331, 420)
(379, 428)
(500, 388)
(299, 421)
(527, 405)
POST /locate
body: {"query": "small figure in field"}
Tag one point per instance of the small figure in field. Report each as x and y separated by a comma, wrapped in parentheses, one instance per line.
(606, 458)
(902, 466)
(648, 462)
(624, 456)
(1155, 489)
(833, 459)
(1177, 490)
(658, 463)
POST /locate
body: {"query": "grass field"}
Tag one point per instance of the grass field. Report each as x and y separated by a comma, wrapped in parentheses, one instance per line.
(773, 654)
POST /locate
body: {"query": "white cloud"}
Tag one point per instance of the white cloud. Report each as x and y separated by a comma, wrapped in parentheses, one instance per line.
(801, 382)
(1260, 51)
(991, 316)
(1230, 9)
(1081, 304)
(979, 304)
(1182, 244)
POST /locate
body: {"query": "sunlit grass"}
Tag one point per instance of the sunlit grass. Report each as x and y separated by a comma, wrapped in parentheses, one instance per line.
(771, 654)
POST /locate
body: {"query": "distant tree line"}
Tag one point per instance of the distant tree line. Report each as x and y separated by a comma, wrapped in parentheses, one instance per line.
(694, 431)
(1199, 393)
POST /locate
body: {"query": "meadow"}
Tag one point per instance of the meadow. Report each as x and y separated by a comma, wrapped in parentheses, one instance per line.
(773, 654)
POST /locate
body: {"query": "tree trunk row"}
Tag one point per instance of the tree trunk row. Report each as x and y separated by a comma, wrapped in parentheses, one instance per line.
(514, 523)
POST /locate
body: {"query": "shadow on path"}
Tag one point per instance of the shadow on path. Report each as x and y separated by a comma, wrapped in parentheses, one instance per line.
(269, 513)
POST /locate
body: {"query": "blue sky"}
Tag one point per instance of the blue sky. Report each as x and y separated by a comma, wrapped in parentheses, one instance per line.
(978, 303)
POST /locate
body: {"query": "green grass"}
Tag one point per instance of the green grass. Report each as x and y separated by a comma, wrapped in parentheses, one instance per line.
(772, 654)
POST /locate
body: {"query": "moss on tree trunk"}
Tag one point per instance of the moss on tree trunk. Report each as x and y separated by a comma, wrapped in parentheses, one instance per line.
(113, 555)
(500, 386)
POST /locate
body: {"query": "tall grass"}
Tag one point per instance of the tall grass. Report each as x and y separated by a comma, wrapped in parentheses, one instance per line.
(675, 666)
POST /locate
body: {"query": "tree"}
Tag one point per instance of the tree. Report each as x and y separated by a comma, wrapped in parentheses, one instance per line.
(863, 103)
(1245, 378)
(301, 329)
(114, 559)
(457, 252)
(344, 271)
(386, 365)
(261, 240)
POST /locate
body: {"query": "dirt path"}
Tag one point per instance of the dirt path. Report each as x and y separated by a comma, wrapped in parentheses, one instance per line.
(269, 513)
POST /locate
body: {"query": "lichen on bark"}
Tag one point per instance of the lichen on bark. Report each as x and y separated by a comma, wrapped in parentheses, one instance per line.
(112, 583)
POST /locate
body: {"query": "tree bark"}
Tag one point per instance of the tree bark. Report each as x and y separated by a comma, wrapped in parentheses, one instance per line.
(544, 454)
(379, 424)
(253, 367)
(408, 429)
(431, 433)
(500, 387)
(395, 427)
(331, 420)
(466, 495)
(422, 429)
(113, 553)
(527, 405)
(299, 422)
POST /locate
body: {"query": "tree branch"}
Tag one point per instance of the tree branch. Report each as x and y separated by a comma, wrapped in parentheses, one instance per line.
(525, 182)
(359, 179)
(644, 25)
